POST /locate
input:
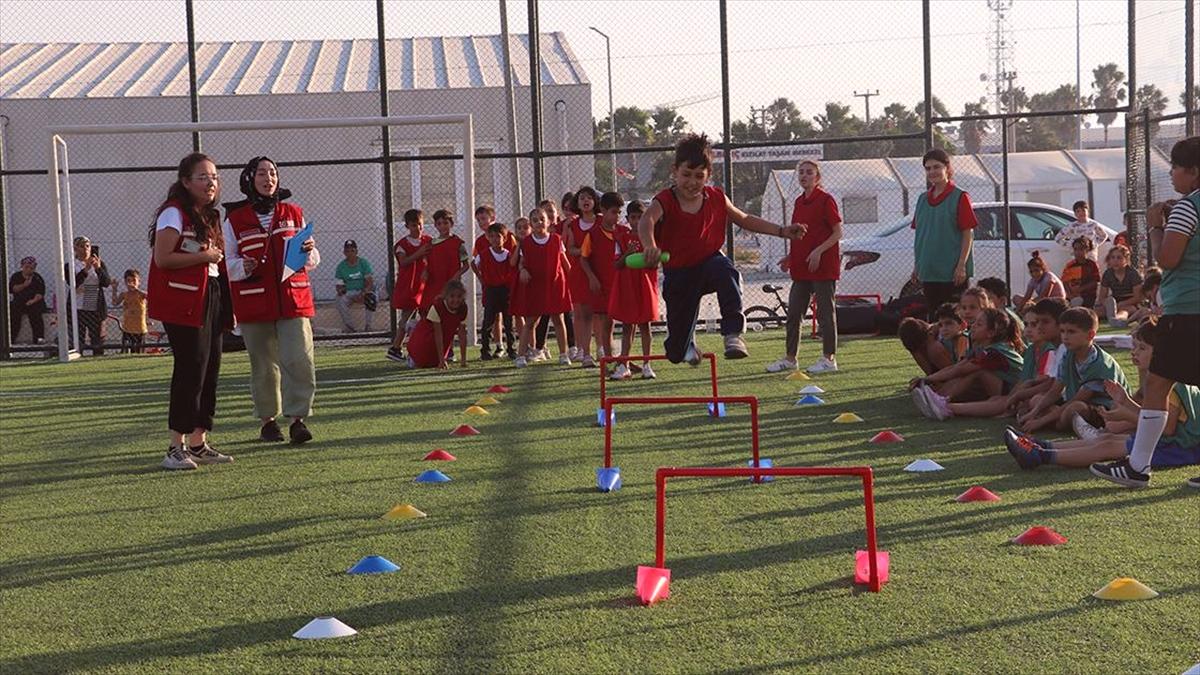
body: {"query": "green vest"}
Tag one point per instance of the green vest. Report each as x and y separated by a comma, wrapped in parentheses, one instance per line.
(1033, 357)
(938, 240)
(1187, 432)
(1015, 362)
(1103, 368)
(1180, 290)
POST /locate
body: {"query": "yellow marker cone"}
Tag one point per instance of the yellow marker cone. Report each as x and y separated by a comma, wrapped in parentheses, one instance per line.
(476, 410)
(1125, 588)
(403, 512)
(798, 375)
(487, 400)
(847, 418)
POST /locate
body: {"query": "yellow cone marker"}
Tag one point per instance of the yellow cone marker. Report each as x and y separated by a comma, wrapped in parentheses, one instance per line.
(1125, 588)
(486, 400)
(798, 375)
(476, 410)
(847, 418)
(403, 512)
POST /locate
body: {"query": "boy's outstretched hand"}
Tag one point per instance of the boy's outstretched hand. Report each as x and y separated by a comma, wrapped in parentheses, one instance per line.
(794, 231)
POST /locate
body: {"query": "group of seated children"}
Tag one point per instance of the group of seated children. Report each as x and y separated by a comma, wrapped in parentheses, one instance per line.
(1115, 295)
(531, 276)
(977, 364)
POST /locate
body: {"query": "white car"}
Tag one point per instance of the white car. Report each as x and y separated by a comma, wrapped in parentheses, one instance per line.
(883, 263)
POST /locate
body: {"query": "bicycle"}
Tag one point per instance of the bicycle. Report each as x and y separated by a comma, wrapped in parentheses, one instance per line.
(760, 315)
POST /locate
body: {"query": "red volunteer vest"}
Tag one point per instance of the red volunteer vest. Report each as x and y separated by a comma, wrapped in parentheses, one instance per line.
(177, 296)
(263, 297)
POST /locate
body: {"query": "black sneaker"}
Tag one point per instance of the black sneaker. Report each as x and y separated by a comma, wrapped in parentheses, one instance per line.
(394, 354)
(299, 433)
(1121, 473)
(1194, 482)
(207, 454)
(1025, 451)
(511, 354)
(498, 351)
(270, 432)
(486, 355)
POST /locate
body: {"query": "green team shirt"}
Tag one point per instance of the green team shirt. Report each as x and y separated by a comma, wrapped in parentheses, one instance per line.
(1186, 398)
(1090, 374)
(938, 238)
(354, 278)
(1180, 290)
(1033, 358)
(1013, 361)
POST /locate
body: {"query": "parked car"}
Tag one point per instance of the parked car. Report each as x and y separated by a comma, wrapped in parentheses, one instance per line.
(883, 263)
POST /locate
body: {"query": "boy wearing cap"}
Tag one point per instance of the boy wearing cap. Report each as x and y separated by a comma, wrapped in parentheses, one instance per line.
(28, 291)
(355, 284)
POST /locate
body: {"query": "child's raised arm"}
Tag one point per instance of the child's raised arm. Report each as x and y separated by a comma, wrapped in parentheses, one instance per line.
(761, 225)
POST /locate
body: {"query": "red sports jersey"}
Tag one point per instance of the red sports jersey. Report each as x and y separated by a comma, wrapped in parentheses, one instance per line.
(444, 263)
(421, 345)
(546, 292)
(820, 212)
(634, 296)
(495, 271)
(599, 247)
(577, 281)
(409, 286)
(509, 242)
(691, 238)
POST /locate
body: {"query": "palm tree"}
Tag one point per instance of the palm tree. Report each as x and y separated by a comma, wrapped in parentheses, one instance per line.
(1109, 84)
(668, 124)
(1150, 99)
(974, 131)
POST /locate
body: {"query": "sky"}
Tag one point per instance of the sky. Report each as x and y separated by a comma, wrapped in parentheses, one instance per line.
(668, 51)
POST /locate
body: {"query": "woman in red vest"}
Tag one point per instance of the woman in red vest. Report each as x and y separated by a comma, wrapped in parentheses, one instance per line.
(185, 293)
(272, 312)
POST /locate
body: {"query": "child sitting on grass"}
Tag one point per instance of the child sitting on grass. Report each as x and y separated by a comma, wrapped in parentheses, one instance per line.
(431, 341)
(997, 292)
(1150, 301)
(923, 340)
(1081, 276)
(1180, 443)
(989, 372)
(1079, 383)
(1042, 284)
(1120, 288)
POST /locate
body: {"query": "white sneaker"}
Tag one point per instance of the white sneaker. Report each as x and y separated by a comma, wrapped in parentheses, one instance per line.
(588, 361)
(564, 359)
(692, 355)
(520, 362)
(541, 355)
(177, 460)
(621, 373)
(781, 365)
(823, 365)
(919, 400)
(648, 372)
(1084, 430)
(207, 454)
(735, 347)
(573, 353)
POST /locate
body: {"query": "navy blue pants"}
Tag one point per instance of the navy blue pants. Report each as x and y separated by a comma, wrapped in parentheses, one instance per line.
(683, 287)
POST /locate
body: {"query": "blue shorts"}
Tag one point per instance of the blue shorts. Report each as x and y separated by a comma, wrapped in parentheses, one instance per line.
(1169, 454)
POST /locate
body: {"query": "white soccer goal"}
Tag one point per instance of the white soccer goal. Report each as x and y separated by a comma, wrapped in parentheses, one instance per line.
(60, 188)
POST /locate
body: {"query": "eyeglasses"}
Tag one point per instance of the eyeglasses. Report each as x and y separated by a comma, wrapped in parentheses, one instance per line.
(210, 177)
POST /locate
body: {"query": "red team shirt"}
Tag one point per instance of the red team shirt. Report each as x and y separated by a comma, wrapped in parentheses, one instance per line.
(546, 292)
(599, 247)
(407, 292)
(577, 281)
(444, 263)
(820, 212)
(691, 238)
(496, 272)
(634, 298)
(421, 347)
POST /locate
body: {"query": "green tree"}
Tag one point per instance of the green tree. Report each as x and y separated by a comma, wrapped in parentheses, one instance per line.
(1149, 98)
(1195, 99)
(1056, 133)
(669, 125)
(972, 132)
(1109, 83)
(633, 128)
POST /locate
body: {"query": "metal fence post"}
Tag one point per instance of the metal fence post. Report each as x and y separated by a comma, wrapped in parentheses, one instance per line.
(1189, 58)
(927, 58)
(726, 122)
(193, 89)
(1007, 212)
(5, 352)
(535, 103)
(386, 161)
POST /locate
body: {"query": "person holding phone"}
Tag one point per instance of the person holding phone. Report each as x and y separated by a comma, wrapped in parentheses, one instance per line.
(185, 293)
(88, 276)
(274, 313)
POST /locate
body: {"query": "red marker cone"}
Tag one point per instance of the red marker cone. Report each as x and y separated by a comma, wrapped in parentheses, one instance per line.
(978, 494)
(1040, 536)
(887, 436)
(862, 566)
(439, 455)
(464, 430)
(653, 584)
(498, 389)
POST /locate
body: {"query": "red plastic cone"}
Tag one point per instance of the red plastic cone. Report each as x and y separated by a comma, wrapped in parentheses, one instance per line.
(978, 494)
(1040, 536)
(862, 566)
(498, 389)
(653, 584)
(439, 455)
(887, 436)
(464, 430)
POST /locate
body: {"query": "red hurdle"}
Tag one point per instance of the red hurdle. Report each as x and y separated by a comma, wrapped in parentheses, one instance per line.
(604, 361)
(752, 401)
(655, 582)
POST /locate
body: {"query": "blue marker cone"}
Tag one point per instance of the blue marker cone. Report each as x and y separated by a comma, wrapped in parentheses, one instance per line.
(811, 399)
(608, 479)
(718, 412)
(763, 463)
(432, 476)
(600, 417)
(373, 564)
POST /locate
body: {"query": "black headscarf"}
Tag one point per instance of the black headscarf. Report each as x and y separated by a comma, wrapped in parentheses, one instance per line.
(260, 203)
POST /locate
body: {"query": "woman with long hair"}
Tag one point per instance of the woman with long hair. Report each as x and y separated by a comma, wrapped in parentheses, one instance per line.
(187, 273)
(945, 223)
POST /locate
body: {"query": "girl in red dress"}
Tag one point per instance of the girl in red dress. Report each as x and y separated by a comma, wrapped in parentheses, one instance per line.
(412, 257)
(448, 259)
(541, 288)
(634, 299)
(597, 258)
(583, 297)
(430, 344)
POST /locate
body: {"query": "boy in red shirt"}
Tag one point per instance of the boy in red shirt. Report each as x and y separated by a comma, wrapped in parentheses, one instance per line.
(496, 273)
(598, 260)
(688, 221)
(447, 259)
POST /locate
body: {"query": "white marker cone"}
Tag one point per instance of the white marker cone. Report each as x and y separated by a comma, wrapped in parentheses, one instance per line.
(812, 389)
(922, 465)
(324, 627)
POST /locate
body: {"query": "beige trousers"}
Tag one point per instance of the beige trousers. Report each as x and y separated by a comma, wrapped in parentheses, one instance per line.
(281, 353)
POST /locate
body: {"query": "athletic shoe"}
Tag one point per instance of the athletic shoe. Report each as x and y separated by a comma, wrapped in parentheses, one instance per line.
(918, 399)
(1084, 430)
(573, 353)
(621, 373)
(735, 347)
(1194, 482)
(648, 372)
(177, 460)
(1121, 473)
(510, 353)
(635, 369)
(939, 405)
(542, 355)
(588, 361)
(486, 355)
(692, 355)
(498, 351)
(394, 354)
(207, 454)
(1040, 442)
(1026, 452)
(270, 432)
(563, 359)
(520, 362)
(299, 433)
(784, 364)
(823, 365)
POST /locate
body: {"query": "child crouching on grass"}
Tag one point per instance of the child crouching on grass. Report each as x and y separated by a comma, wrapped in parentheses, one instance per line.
(1180, 443)
(431, 342)
(989, 372)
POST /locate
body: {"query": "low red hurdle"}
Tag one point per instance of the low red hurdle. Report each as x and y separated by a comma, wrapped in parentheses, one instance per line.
(752, 401)
(657, 580)
(712, 366)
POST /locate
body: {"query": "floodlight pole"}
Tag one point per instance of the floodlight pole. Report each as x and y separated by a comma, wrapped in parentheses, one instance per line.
(612, 120)
(389, 213)
(511, 108)
(193, 86)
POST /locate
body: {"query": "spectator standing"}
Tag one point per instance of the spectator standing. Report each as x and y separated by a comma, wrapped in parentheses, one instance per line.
(1082, 227)
(132, 302)
(87, 274)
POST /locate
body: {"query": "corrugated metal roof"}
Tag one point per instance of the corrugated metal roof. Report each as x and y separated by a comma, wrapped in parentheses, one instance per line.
(129, 69)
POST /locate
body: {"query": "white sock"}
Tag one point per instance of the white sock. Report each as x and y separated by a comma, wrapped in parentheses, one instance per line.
(1151, 424)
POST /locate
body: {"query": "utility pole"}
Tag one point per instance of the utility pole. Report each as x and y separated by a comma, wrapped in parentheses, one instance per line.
(866, 97)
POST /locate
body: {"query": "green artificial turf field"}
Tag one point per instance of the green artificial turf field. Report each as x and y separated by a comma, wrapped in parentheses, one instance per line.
(109, 564)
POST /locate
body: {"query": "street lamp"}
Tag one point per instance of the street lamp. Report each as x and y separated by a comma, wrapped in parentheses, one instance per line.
(612, 122)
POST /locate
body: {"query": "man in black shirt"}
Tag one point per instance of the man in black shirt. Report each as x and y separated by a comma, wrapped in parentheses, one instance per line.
(28, 291)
